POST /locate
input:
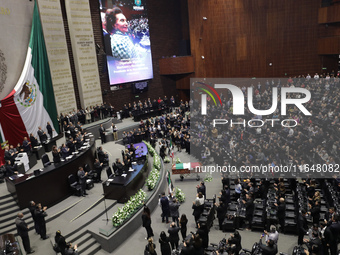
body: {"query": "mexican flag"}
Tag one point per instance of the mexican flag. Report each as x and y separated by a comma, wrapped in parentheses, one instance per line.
(31, 103)
(170, 186)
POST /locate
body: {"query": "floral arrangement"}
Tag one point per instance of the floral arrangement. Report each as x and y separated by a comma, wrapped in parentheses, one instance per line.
(166, 160)
(179, 195)
(123, 213)
(208, 177)
(178, 161)
(151, 150)
(152, 179)
(157, 161)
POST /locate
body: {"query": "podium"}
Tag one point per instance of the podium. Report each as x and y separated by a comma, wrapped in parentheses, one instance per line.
(39, 151)
(23, 159)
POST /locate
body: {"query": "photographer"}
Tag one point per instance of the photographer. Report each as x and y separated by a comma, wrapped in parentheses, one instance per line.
(235, 242)
(269, 249)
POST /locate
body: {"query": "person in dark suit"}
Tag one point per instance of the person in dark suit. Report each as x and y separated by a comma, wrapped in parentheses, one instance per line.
(164, 243)
(174, 213)
(269, 249)
(315, 212)
(10, 170)
(98, 167)
(65, 152)
(302, 226)
(150, 247)
(335, 229)
(32, 208)
(203, 232)
(314, 241)
(26, 145)
(173, 235)
(120, 167)
(236, 240)
(164, 202)
(82, 176)
(103, 156)
(60, 241)
(249, 204)
(187, 248)
(34, 141)
(201, 188)
(198, 209)
(49, 129)
(40, 214)
(281, 212)
(42, 135)
(102, 134)
(329, 215)
(9, 155)
(22, 229)
(221, 210)
(56, 154)
(183, 224)
(71, 145)
(146, 219)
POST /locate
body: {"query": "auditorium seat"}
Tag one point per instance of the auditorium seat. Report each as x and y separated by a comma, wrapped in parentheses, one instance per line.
(75, 186)
(45, 160)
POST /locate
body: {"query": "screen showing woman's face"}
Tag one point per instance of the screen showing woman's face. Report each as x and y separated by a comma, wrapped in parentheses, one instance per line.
(121, 23)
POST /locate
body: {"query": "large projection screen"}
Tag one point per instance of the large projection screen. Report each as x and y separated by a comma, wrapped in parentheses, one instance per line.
(127, 40)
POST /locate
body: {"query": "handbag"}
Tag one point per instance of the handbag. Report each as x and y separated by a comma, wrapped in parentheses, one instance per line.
(56, 248)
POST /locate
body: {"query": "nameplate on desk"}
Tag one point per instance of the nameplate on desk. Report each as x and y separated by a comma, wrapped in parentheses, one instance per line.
(131, 170)
(110, 180)
(124, 175)
(69, 157)
(75, 153)
(86, 144)
(87, 140)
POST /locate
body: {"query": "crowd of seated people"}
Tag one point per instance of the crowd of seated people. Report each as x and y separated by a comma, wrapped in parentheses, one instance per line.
(315, 139)
(172, 126)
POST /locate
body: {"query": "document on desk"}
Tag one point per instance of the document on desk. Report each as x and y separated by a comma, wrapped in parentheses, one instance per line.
(110, 180)
(131, 170)
(124, 175)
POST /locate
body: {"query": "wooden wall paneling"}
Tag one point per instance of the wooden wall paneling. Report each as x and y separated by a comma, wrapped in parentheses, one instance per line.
(330, 14)
(329, 45)
(283, 33)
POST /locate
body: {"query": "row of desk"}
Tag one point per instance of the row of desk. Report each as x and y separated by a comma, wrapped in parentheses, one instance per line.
(51, 185)
(121, 188)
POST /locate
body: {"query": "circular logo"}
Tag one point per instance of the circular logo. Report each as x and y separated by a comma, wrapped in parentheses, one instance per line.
(3, 71)
(28, 94)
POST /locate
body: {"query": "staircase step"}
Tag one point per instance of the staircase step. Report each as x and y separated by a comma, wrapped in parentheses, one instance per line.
(10, 227)
(89, 246)
(81, 238)
(5, 196)
(11, 214)
(7, 200)
(94, 249)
